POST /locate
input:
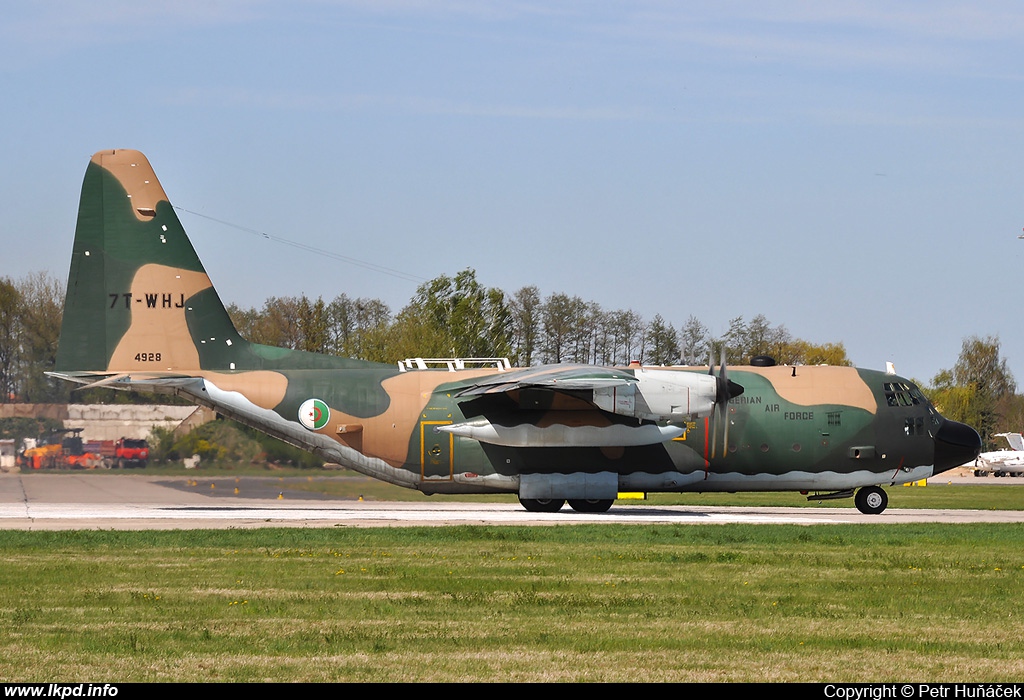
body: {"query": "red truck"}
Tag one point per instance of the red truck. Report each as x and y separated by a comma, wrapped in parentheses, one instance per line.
(131, 453)
(123, 453)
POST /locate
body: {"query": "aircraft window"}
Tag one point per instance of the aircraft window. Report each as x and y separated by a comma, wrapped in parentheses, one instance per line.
(900, 395)
(914, 426)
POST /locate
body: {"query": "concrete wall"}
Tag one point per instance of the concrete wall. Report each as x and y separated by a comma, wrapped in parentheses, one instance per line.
(111, 421)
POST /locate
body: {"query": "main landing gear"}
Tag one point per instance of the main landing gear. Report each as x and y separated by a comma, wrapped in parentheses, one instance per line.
(590, 505)
(542, 505)
(553, 505)
(871, 500)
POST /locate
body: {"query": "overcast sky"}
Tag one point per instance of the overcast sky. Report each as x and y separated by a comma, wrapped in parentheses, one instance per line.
(851, 170)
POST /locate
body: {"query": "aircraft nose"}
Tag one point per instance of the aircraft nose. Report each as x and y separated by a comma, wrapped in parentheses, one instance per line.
(955, 444)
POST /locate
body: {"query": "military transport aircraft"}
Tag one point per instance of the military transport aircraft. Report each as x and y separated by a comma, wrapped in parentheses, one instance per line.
(1002, 462)
(142, 314)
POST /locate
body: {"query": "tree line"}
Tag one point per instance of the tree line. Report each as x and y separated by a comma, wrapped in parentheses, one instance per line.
(456, 316)
(459, 317)
(31, 309)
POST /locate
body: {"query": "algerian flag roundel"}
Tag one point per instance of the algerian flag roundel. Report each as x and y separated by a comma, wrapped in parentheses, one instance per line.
(314, 414)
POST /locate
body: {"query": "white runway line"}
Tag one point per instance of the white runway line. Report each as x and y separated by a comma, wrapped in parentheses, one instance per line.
(502, 514)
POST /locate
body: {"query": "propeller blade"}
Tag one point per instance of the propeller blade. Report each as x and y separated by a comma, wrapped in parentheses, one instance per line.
(725, 439)
(723, 405)
(718, 399)
(726, 390)
(714, 431)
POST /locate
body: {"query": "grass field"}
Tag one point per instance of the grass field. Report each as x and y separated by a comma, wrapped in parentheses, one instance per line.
(569, 603)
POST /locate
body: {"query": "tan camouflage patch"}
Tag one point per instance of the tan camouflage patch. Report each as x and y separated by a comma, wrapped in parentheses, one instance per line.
(158, 338)
(136, 175)
(842, 386)
(264, 388)
(387, 436)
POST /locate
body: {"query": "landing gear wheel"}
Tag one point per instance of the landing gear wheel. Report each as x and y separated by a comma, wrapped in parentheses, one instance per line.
(542, 505)
(590, 505)
(871, 500)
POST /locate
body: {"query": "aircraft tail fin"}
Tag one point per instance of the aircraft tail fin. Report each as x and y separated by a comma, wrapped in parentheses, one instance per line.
(138, 297)
(1015, 440)
(139, 300)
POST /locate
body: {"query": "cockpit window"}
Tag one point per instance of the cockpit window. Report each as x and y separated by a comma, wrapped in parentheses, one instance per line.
(914, 426)
(902, 394)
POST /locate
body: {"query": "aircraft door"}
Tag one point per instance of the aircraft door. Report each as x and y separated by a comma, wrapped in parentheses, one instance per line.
(436, 448)
(828, 422)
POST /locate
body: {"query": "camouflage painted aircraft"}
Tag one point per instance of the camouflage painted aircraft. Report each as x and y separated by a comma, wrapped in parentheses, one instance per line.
(142, 314)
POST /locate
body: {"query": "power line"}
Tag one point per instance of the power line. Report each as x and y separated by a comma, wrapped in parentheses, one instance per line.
(311, 249)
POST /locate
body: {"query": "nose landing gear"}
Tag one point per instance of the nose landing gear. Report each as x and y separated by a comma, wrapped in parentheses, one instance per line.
(871, 500)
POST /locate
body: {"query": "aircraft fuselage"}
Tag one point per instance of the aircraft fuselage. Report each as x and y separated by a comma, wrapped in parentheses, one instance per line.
(793, 428)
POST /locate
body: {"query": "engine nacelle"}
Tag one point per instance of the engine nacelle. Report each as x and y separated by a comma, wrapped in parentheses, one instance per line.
(661, 395)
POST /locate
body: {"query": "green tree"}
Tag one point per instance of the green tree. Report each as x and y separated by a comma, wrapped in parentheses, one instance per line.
(41, 310)
(245, 321)
(629, 339)
(736, 342)
(979, 384)
(358, 327)
(1010, 409)
(10, 311)
(695, 341)
(314, 325)
(454, 317)
(662, 342)
(524, 308)
(278, 323)
(563, 320)
(802, 352)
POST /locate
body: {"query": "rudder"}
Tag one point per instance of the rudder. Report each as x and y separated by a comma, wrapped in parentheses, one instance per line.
(136, 287)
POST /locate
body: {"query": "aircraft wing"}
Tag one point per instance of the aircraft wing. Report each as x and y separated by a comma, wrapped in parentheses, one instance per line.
(551, 377)
(584, 406)
(647, 394)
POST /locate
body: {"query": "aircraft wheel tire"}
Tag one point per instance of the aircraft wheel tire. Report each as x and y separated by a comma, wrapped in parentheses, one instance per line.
(871, 500)
(542, 505)
(590, 505)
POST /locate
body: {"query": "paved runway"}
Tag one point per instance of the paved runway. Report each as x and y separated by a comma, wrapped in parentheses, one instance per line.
(143, 502)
